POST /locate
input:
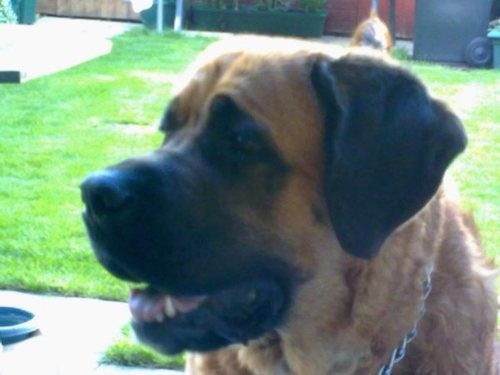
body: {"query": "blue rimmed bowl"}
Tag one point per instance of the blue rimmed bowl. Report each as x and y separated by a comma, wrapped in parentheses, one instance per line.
(15, 324)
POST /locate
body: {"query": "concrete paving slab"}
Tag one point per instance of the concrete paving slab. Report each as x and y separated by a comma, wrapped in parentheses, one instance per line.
(74, 334)
(115, 370)
(53, 44)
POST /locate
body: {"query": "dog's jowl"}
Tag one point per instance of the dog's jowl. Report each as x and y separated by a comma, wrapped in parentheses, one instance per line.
(295, 221)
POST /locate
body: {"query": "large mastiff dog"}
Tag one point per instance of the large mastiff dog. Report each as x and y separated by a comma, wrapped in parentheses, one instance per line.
(295, 221)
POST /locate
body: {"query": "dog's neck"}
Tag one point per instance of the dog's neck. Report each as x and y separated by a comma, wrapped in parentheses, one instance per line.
(277, 363)
(353, 355)
(400, 351)
(361, 315)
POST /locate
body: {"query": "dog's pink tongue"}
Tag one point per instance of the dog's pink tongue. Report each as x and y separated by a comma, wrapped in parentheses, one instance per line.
(145, 306)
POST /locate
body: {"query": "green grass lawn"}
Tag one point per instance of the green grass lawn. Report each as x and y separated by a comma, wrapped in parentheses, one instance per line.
(126, 352)
(55, 130)
(475, 96)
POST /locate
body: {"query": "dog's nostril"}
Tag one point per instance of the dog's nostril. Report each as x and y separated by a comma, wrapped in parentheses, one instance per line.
(252, 296)
(108, 199)
(105, 192)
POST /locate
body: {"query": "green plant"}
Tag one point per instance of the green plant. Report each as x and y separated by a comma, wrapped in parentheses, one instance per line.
(218, 4)
(126, 351)
(400, 53)
(313, 6)
(309, 6)
(7, 14)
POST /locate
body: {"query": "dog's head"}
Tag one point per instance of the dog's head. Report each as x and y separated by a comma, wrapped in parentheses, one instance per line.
(272, 162)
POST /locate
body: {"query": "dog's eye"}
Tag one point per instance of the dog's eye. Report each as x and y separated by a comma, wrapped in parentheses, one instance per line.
(232, 139)
(233, 145)
(245, 144)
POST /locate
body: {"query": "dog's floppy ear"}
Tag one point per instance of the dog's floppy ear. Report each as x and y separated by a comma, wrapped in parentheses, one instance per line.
(387, 146)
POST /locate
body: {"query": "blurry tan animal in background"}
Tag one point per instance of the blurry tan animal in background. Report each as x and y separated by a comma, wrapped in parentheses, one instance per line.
(372, 32)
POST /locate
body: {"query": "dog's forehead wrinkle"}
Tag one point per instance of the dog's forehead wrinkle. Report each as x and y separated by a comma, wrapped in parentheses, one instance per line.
(254, 79)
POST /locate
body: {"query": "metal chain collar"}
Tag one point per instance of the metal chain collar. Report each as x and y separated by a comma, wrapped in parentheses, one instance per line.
(400, 351)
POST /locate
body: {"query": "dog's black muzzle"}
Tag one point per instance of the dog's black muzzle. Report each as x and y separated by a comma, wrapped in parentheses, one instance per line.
(165, 220)
(129, 209)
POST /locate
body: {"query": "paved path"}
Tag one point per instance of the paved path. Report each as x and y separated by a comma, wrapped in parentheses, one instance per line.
(53, 44)
(74, 334)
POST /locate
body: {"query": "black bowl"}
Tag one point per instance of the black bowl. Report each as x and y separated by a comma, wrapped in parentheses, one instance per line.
(15, 324)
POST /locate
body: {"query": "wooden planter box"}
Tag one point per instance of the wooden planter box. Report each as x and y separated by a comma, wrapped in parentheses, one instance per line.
(260, 22)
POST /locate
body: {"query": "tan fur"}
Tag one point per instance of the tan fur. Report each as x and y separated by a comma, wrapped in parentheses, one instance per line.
(372, 32)
(351, 313)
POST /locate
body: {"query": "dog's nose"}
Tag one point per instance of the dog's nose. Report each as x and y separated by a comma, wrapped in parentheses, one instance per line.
(106, 192)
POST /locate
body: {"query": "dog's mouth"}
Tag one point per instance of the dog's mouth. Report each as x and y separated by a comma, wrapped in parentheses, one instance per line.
(149, 306)
(204, 313)
(236, 314)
